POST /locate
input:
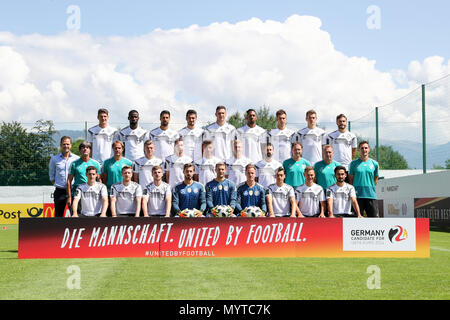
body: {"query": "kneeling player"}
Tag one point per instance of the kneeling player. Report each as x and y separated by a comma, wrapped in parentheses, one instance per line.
(341, 196)
(157, 196)
(220, 191)
(189, 194)
(91, 195)
(280, 197)
(126, 196)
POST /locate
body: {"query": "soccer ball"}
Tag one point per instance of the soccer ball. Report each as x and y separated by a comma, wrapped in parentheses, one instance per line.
(190, 213)
(252, 212)
(222, 211)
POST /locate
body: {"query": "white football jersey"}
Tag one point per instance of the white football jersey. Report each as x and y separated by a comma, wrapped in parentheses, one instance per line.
(265, 171)
(281, 198)
(342, 144)
(156, 196)
(222, 138)
(134, 142)
(91, 198)
(342, 198)
(253, 139)
(192, 142)
(102, 140)
(311, 140)
(281, 141)
(175, 165)
(143, 167)
(236, 169)
(206, 169)
(309, 198)
(126, 197)
(164, 141)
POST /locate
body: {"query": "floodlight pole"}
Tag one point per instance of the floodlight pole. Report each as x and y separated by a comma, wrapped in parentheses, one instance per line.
(424, 135)
(376, 134)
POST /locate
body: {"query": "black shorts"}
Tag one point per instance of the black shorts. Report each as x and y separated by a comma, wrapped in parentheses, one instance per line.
(369, 206)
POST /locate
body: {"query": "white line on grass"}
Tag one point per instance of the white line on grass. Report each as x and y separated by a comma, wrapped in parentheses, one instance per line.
(440, 249)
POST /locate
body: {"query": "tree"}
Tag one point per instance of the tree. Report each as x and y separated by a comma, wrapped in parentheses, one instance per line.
(388, 158)
(265, 119)
(24, 156)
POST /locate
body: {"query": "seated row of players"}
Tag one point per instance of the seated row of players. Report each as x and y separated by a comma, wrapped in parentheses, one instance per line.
(194, 138)
(219, 198)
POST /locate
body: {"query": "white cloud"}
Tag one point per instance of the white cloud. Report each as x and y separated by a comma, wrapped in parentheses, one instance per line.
(291, 64)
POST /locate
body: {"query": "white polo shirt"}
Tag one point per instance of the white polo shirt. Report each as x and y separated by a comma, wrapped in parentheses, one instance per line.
(222, 138)
(265, 171)
(126, 197)
(91, 198)
(102, 139)
(143, 167)
(192, 142)
(164, 141)
(281, 141)
(156, 195)
(281, 198)
(253, 140)
(342, 198)
(309, 198)
(134, 142)
(236, 169)
(311, 140)
(175, 165)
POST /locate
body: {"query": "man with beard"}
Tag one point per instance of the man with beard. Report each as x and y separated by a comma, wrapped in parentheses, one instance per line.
(133, 136)
(253, 137)
(189, 194)
(164, 137)
(344, 142)
(267, 167)
(341, 196)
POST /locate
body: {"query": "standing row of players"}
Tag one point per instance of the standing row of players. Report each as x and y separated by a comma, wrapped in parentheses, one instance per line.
(204, 148)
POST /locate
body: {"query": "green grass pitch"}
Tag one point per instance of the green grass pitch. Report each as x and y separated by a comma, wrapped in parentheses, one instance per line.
(225, 278)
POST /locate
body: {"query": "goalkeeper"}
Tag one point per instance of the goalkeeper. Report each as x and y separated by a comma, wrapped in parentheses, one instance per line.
(250, 193)
(220, 191)
(189, 194)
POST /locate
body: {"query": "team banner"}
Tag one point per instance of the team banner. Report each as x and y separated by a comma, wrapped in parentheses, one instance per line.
(222, 237)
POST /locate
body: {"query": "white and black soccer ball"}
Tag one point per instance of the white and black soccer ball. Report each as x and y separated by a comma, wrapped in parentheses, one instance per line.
(222, 211)
(189, 213)
(252, 212)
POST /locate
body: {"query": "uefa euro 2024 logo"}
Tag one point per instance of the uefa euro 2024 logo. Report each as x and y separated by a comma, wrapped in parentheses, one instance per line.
(397, 234)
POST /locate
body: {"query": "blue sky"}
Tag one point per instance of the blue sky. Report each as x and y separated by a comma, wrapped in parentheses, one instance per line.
(410, 30)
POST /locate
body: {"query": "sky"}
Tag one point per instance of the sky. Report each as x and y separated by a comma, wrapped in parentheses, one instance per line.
(334, 56)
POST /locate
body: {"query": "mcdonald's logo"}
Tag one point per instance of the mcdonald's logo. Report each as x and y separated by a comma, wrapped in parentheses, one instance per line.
(49, 210)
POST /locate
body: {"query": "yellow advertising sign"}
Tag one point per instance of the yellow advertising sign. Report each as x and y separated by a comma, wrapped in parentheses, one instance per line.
(10, 213)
